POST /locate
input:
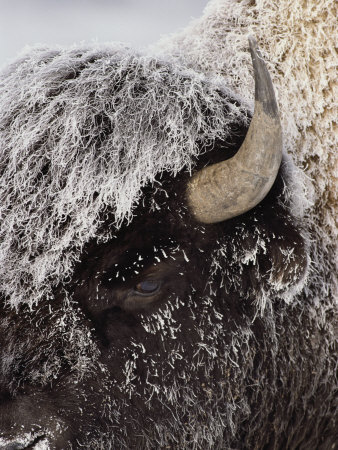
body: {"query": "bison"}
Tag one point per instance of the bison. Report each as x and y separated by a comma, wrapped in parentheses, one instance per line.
(154, 281)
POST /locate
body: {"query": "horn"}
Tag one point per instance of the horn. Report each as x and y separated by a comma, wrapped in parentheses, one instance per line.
(232, 187)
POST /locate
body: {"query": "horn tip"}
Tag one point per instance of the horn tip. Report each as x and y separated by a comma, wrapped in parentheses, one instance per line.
(252, 42)
(253, 47)
(264, 92)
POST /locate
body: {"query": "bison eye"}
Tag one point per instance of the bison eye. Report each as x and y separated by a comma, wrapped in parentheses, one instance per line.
(147, 287)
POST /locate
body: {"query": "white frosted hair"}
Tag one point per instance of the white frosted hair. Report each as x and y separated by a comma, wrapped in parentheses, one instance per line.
(61, 165)
(298, 42)
(82, 130)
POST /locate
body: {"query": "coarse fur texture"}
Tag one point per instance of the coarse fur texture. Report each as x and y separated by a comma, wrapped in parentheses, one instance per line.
(82, 130)
(234, 346)
(298, 40)
(198, 367)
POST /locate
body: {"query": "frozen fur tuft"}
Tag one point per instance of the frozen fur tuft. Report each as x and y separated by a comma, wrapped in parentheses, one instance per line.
(82, 130)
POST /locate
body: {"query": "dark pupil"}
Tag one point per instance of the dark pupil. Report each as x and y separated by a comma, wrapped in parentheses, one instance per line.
(147, 287)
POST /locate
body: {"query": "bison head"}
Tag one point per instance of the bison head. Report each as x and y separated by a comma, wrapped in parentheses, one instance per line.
(173, 327)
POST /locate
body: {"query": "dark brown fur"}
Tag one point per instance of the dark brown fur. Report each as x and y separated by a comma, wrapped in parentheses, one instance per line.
(278, 382)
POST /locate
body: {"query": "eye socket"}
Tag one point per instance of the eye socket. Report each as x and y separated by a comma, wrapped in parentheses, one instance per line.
(147, 287)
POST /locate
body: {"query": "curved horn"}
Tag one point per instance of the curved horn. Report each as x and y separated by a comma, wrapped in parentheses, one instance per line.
(230, 188)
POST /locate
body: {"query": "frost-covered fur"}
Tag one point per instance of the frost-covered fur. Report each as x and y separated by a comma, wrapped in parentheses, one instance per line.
(82, 130)
(298, 40)
(237, 351)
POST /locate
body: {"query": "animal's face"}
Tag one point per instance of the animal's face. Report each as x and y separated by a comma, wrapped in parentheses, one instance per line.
(139, 346)
(156, 340)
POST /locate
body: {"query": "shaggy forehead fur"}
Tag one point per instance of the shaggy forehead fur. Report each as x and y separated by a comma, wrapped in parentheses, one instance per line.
(82, 130)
